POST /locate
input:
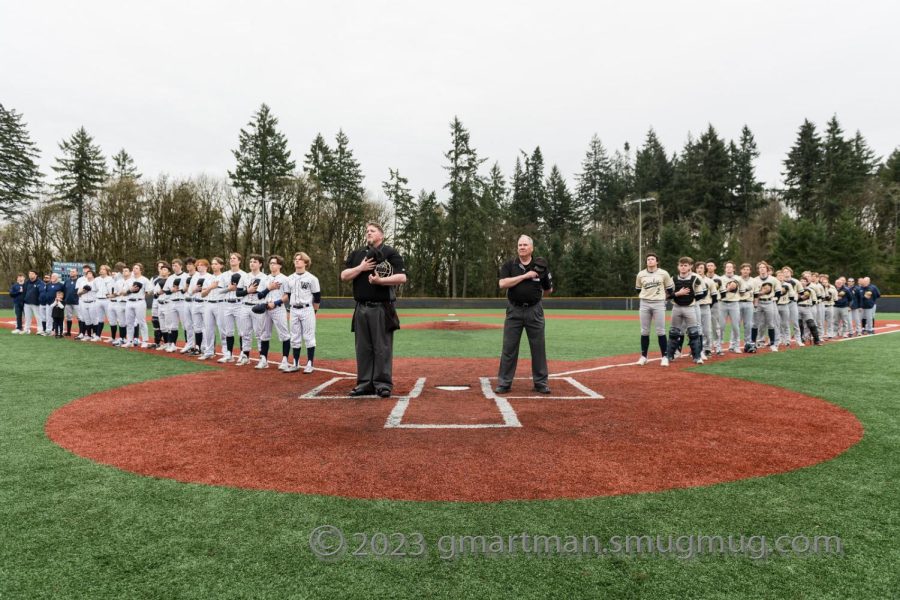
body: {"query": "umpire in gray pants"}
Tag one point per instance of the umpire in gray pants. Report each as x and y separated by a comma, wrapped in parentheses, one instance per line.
(526, 280)
(374, 271)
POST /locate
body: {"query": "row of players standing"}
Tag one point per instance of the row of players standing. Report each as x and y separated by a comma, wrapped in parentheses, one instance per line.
(778, 305)
(199, 296)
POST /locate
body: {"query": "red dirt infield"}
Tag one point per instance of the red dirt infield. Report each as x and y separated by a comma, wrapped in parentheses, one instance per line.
(602, 432)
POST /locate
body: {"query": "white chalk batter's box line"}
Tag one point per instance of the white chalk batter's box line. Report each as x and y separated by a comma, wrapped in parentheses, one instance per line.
(507, 413)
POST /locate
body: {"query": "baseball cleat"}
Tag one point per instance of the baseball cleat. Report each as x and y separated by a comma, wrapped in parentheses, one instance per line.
(502, 389)
(664, 362)
(186, 349)
(171, 348)
(80, 336)
(642, 361)
(800, 343)
(16, 331)
(206, 356)
(698, 361)
(677, 354)
(284, 365)
(774, 348)
(225, 359)
(242, 360)
(291, 368)
(308, 368)
(720, 352)
(263, 363)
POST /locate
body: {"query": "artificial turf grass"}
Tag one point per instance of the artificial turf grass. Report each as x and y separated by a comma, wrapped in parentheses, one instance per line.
(70, 526)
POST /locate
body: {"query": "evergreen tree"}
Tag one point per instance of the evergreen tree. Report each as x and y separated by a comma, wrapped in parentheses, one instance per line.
(863, 160)
(652, 168)
(747, 190)
(836, 177)
(530, 203)
(465, 221)
(343, 187)
(20, 179)
(522, 214)
(263, 163)
(802, 173)
(889, 172)
(561, 217)
(594, 184)
(622, 181)
(317, 162)
(81, 173)
(396, 190)
(124, 167)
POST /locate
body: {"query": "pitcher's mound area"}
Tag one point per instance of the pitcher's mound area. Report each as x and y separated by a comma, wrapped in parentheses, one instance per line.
(453, 325)
(444, 435)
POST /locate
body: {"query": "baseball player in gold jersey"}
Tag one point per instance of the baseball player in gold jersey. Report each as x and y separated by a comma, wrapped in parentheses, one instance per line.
(731, 306)
(651, 284)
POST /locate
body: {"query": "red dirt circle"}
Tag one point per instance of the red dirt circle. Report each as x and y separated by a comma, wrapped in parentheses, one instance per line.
(444, 436)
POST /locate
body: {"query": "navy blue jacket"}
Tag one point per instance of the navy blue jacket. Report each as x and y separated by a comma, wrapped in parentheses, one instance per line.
(854, 297)
(33, 291)
(50, 290)
(71, 292)
(870, 301)
(843, 302)
(17, 293)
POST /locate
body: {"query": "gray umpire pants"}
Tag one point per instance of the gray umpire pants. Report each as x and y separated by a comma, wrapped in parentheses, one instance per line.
(531, 319)
(374, 346)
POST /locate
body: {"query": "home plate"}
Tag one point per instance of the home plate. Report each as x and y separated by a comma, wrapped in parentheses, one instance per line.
(453, 388)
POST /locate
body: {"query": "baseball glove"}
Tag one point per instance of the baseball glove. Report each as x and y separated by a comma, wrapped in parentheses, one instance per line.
(176, 282)
(259, 308)
(540, 265)
(235, 278)
(136, 287)
(804, 295)
(375, 254)
(765, 289)
(86, 288)
(200, 282)
(732, 286)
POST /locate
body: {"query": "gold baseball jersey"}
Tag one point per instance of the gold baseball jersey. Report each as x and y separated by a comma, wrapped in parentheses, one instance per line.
(653, 284)
(786, 291)
(706, 285)
(728, 295)
(807, 295)
(764, 289)
(830, 295)
(820, 292)
(746, 289)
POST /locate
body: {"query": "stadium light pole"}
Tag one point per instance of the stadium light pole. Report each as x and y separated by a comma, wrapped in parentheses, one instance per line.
(640, 203)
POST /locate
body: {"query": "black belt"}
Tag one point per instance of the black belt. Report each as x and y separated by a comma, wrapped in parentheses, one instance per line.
(369, 303)
(230, 301)
(251, 303)
(176, 300)
(766, 301)
(83, 302)
(188, 299)
(524, 304)
(301, 305)
(214, 301)
(133, 299)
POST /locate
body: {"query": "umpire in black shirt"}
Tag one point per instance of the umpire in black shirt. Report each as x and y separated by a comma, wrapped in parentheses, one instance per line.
(525, 280)
(374, 319)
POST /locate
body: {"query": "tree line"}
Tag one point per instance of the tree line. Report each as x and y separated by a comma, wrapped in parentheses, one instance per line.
(837, 210)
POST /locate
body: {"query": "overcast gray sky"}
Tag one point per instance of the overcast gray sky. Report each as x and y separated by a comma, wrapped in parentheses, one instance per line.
(173, 81)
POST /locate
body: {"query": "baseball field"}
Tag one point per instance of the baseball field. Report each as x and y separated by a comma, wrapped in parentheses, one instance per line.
(138, 474)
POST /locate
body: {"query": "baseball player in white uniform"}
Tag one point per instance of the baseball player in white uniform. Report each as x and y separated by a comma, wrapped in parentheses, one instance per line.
(137, 287)
(186, 308)
(163, 307)
(212, 301)
(105, 311)
(87, 299)
(277, 296)
(118, 303)
(229, 306)
(79, 308)
(305, 298)
(174, 296)
(248, 293)
(198, 303)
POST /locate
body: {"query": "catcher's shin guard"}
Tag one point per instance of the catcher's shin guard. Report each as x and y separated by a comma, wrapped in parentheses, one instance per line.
(814, 330)
(696, 342)
(676, 337)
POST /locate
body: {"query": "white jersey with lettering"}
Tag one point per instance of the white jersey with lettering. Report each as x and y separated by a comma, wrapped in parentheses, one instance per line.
(303, 286)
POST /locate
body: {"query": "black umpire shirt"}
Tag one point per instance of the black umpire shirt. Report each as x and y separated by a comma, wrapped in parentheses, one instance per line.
(529, 291)
(363, 291)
